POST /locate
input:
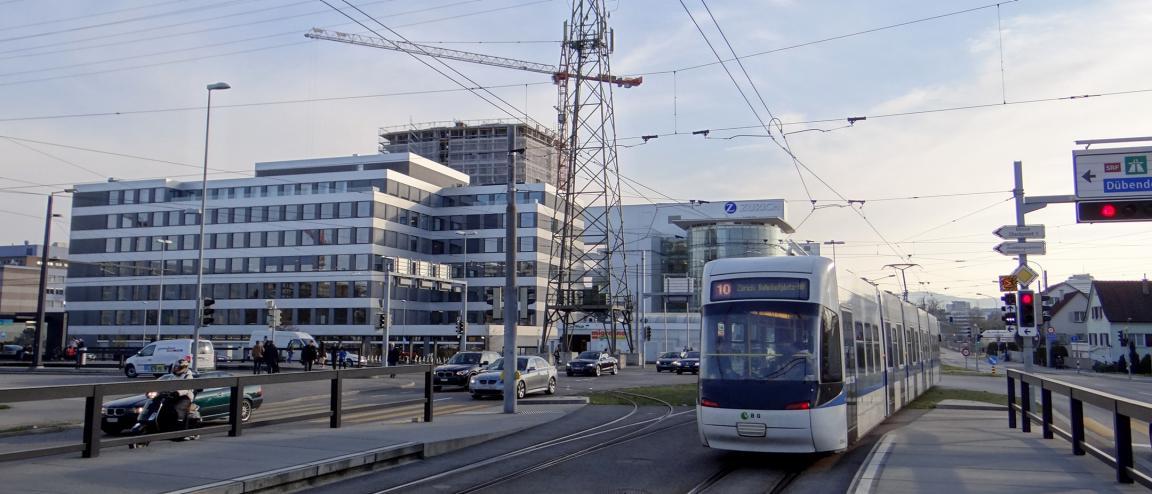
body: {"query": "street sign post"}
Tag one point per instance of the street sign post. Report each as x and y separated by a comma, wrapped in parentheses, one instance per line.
(1026, 231)
(1112, 173)
(1017, 248)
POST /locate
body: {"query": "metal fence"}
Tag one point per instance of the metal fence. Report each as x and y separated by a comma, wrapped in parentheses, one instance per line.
(1123, 411)
(94, 395)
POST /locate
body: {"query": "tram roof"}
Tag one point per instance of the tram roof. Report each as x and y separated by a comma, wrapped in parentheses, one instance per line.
(791, 264)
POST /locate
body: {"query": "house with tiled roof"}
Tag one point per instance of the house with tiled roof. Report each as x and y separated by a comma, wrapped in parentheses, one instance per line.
(1118, 308)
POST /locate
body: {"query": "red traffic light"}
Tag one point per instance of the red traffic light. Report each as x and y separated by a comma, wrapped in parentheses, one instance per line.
(1117, 210)
(1025, 298)
(1107, 210)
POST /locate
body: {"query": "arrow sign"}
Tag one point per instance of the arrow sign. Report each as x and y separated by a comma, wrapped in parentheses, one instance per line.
(1088, 176)
(1017, 248)
(1020, 231)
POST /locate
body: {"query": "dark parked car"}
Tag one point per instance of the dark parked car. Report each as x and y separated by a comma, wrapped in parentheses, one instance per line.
(122, 414)
(15, 352)
(689, 363)
(664, 361)
(594, 363)
(461, 367)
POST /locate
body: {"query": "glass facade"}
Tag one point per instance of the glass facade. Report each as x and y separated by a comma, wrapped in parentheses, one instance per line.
(728, 240)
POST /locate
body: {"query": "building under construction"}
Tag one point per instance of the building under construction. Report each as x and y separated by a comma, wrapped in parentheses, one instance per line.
(478, 148)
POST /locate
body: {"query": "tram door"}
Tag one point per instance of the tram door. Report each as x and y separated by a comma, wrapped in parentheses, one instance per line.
(851, 331)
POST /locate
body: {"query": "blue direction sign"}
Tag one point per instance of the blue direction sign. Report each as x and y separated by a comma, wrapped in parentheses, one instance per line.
(992, 360)
(1112, 173)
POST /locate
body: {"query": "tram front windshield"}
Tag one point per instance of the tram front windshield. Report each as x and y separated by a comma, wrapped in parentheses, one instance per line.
(760, 341)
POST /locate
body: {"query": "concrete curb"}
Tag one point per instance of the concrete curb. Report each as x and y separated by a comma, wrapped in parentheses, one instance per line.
(571, 400)
(971, 405)
(319, 472)
(870, 470)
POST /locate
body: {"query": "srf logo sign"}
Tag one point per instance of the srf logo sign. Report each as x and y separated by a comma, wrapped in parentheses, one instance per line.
(1136, 165)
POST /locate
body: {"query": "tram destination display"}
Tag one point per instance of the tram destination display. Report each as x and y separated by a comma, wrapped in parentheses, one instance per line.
(760, 288)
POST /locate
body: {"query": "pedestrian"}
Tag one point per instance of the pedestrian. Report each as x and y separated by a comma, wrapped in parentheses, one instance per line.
(80, 350)
(393, 355)
(272, 357)
(308, 356)
(343, 359)
(257, 357)
(335, 355)
(556, 355)
(321, 354)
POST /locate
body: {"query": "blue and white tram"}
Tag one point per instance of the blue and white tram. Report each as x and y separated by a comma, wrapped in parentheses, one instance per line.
(793, 362)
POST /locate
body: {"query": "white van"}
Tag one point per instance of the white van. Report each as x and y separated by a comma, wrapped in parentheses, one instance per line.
(285, 341)
(157, 357)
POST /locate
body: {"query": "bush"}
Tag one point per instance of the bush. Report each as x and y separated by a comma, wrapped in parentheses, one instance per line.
(991, 350)
(1099, 366)
(1145, 366)
(1121, 364)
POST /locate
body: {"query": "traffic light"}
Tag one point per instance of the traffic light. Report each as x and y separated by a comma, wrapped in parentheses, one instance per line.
(1045, 308)
(206, 311)
(273, 318)
(1111, 211)
(460, 327)
(381, 320)
(1009, 309)
(1119, 337)
(1027, 309)
(647, 333)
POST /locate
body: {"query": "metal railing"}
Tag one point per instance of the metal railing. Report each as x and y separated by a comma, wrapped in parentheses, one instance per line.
(94, 395)
(1123, 411)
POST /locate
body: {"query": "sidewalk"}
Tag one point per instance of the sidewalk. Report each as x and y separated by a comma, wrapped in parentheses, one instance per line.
(967, 447)
(267, 457)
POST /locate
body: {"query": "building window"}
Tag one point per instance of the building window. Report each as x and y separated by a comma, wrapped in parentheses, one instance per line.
(1079, 316)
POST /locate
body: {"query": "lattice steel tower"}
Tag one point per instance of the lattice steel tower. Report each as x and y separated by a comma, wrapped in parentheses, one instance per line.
(590, 282)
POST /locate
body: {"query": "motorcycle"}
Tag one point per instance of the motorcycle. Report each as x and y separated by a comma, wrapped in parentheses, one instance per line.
(160, 415)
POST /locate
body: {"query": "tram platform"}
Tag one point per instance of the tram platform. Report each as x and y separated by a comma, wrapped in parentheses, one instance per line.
(967, 447)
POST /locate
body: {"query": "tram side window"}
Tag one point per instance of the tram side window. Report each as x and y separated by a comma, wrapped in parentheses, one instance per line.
(831, 365)
(897, 344)
(849, 347)
(873, 348)
(861, 350)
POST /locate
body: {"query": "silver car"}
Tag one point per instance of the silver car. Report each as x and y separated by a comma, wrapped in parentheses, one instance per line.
(533, 374)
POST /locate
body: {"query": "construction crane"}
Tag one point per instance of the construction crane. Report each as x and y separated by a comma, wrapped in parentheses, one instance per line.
(590, 283)
(558, 76)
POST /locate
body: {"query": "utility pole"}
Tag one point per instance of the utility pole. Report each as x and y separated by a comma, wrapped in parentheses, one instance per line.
(511, 312)
(1018, 196)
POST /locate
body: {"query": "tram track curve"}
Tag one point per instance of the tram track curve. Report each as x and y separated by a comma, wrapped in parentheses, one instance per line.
(610, 426)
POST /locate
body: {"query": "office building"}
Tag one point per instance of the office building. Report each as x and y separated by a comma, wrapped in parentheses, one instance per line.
(479, 148)
(323, 239)
(20, 278)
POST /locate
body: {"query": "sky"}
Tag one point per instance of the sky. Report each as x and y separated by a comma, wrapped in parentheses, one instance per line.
(954, 92)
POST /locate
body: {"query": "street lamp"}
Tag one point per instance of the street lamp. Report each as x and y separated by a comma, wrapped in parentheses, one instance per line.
(834, 243)
(164, 243)
(464, 296)
(219, 86)
(38, 351)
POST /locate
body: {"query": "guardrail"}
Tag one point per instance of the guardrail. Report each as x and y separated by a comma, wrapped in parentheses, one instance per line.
(1123, 411)
(94, 395)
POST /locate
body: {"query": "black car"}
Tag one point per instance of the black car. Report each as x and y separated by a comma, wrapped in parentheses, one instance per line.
(461, 367)
(122, 414)
(594, 363)
(689, 363)
(664, 361)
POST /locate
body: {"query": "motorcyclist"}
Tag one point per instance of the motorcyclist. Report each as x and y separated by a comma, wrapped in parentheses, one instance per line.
(186, 396)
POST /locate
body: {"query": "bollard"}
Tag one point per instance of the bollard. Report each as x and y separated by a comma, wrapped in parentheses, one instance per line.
(993, 369)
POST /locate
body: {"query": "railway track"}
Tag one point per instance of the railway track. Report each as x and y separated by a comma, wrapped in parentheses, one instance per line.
(609, 434)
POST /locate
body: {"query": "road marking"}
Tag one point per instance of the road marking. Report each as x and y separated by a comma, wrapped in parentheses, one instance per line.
(864, 483)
